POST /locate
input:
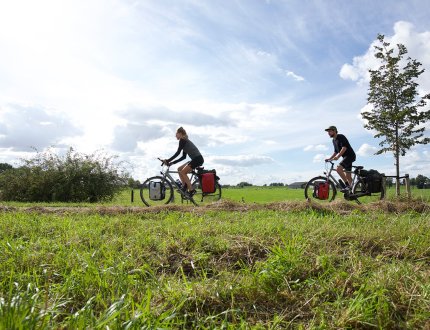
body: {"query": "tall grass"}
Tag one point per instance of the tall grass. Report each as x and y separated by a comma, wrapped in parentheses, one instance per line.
(215, 269)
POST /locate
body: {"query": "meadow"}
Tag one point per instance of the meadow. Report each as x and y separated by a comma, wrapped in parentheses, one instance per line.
(243, 263)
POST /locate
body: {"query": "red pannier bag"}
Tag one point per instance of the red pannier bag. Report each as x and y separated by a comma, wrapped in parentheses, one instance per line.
(208, 179)
(323, 189)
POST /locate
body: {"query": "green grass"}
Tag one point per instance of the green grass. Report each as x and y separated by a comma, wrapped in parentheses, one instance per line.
(215, 269)
(246, 195)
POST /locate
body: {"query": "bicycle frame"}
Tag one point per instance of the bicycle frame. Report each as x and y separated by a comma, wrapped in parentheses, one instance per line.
(355, 179)
(166, 174)
(334, 180)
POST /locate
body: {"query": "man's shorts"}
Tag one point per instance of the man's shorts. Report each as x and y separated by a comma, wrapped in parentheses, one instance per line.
(197, 161)
(346, 163)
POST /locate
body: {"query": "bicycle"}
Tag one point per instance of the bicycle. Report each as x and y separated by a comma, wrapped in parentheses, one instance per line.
(168, 184)
(361, 187)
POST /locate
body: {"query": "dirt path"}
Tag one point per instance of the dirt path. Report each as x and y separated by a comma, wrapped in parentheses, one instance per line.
(338, 207)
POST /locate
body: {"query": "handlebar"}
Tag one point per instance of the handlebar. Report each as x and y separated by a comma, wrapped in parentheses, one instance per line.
(162, 162)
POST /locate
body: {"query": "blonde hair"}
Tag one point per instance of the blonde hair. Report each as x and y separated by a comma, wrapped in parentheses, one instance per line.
(182, 131)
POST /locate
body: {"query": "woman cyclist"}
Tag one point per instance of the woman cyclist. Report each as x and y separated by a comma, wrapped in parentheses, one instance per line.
(188, 148)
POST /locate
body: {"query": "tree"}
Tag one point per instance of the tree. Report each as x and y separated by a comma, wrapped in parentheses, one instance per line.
(397, 115)
(421, 180)
(5, 166)
(244, 184)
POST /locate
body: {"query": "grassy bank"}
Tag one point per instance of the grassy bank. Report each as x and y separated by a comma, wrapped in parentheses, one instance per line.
(268, 268)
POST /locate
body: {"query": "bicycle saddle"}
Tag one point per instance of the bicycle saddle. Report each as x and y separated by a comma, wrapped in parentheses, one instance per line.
(359, 167)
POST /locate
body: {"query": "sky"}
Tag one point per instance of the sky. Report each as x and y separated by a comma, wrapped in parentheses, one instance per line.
(253, 82)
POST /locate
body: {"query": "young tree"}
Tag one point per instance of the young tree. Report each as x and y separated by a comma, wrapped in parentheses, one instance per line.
(397, 115)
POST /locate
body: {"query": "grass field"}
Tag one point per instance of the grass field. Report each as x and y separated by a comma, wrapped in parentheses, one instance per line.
(252, 264)
(254, 194)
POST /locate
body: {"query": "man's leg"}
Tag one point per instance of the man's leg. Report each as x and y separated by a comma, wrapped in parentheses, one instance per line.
(343, 175)
(349, 178)
(344, 170)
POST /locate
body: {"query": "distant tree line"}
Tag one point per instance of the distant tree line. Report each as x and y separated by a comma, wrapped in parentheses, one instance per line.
(420, 182)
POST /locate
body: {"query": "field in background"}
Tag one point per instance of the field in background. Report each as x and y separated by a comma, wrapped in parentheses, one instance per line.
(256, 194)
(253, 194)
(247, 195)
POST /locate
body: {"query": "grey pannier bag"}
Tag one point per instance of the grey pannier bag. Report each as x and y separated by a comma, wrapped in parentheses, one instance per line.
(156, 191)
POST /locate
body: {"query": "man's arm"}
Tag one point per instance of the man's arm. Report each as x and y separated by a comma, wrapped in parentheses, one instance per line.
(340, 154)
(331, 157)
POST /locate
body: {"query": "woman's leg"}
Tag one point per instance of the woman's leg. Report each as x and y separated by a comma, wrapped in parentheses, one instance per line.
(180, 168)
(183, 171)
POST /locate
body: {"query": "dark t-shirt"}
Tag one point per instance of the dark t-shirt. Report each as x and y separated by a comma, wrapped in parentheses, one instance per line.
(187, 148)
(341, 141)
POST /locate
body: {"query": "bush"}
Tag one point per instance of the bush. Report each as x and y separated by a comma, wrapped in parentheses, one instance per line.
(74, 177)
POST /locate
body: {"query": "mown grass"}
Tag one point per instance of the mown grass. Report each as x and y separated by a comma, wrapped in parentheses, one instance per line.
(261, 268)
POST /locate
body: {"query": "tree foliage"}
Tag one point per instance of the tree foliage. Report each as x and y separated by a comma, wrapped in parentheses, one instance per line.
(398, 112)
(244, 184)
(421, 180)
(5, 167)
(74, 177)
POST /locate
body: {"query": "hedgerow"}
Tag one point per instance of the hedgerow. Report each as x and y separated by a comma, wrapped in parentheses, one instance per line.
(72, 177)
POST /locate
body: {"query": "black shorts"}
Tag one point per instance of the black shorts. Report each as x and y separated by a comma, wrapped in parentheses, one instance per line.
(197, 161)
(346, 163)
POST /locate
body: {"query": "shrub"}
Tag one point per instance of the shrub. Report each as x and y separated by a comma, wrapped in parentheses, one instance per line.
(73, 177)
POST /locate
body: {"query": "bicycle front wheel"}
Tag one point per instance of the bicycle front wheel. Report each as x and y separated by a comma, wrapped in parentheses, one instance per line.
(314, 184)
(201, 198)
(150, 193)
(360, 190)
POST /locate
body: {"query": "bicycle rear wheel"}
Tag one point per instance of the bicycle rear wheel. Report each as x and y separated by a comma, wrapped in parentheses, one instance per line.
(311, 190)
(148, 198)
(201, 198)
(360, 190)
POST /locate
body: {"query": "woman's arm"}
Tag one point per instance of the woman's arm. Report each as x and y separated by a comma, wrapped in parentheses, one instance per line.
(184, 155)
(180, 148)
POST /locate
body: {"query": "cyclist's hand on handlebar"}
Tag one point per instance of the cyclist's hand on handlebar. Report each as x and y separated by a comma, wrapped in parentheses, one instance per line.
(163, 161)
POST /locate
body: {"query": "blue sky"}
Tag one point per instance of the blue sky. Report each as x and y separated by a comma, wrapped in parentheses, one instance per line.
(253, 82)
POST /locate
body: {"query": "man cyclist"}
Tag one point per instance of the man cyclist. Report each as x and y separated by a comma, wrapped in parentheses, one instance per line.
(343, 149)
(188, 148)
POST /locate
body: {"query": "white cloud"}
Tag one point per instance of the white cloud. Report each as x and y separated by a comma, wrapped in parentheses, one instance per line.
(242, 160)
(319, 158)
(366, 150)
(318, 147)
(294, 76)
(25, 127)
(417, 44)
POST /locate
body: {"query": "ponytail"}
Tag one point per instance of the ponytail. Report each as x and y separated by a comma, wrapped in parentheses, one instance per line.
(182, 131)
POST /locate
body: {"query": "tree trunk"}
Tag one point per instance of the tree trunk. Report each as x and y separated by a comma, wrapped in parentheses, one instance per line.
(397, 155)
